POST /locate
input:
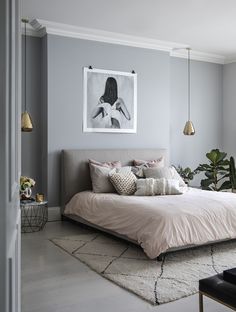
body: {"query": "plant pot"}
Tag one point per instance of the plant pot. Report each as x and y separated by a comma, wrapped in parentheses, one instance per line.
(25, 194)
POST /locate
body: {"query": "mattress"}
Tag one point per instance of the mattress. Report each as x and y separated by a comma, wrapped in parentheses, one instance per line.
(159, 223)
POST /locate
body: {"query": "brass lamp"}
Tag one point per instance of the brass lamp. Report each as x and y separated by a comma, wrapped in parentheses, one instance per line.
(189, 127)
(26, 122)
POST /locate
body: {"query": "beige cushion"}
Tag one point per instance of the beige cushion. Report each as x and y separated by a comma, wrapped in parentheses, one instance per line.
(124, 182)
(140, 165)
(100, 179)
(151, 187)
(108, 164)
(150, 163)
(165, 172)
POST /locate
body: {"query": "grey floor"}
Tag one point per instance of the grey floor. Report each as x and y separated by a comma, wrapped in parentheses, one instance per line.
(53, 281)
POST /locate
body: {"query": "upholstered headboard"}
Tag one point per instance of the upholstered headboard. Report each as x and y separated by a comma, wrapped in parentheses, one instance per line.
(75, 176)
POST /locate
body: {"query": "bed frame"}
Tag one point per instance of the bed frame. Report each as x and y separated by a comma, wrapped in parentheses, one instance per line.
(75, 177)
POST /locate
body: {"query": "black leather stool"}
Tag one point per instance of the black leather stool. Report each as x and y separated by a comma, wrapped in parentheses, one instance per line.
(219, 290)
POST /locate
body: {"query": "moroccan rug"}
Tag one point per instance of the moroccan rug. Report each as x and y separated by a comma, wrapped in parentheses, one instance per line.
(157, 282)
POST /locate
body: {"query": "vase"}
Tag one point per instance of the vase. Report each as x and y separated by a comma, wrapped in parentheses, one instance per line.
(26, 193)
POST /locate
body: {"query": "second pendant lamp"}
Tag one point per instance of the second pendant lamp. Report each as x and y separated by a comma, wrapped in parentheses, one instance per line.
(189, 127)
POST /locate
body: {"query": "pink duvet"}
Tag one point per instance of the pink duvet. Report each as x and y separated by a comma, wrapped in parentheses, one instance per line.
(158, 223)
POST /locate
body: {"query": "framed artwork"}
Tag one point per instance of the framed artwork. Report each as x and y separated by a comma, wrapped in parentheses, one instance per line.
(110, 101)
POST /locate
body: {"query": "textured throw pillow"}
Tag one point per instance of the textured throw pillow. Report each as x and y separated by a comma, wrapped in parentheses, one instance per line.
(165, 172)
(100, 179)
(108, 164)
(151, 187)
(140, 165)
(124, 182)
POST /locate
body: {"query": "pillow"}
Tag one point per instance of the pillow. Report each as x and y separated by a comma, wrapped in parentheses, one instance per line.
(151, 187)
(124, 182)
(108, 164)
(100, 179)
(139, 165)
(138, 170)
(165, 172)
(150, 163)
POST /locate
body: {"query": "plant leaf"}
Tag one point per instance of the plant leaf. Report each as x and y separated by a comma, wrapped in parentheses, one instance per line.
(212, 156)
(225, 185)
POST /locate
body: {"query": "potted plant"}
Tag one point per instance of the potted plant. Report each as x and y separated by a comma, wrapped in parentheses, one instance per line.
(232, 174)
(25, 187)
(216, 171)
(186, 173)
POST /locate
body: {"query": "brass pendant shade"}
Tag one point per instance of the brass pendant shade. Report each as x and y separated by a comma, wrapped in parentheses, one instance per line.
(189, 128)
(26, 122)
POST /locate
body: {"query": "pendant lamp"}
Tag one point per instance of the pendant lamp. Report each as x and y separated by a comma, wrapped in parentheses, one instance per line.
(26, 122)
(189, 127)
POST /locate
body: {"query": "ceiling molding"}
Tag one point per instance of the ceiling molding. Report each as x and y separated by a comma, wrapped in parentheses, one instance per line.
(230, 60)
(30, 31)
(199, 56)
(42, 27)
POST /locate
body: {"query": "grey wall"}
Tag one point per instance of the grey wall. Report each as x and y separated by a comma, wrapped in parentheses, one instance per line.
(32, 141)
(44, 115)
(162, 105)
(206, 111)
(66, 59)
(229, 109)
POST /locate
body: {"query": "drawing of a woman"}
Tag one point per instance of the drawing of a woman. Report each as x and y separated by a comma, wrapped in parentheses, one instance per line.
(110, 106)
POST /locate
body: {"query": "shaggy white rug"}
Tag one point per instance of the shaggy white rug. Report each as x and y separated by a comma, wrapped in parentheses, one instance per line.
(157, 282)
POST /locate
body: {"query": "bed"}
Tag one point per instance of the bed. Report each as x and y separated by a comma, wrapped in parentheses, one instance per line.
(159, 224)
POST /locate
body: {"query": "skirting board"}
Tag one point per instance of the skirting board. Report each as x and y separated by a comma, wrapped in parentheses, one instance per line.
(54, 213)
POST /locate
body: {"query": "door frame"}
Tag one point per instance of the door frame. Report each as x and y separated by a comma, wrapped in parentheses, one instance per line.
(10, 151)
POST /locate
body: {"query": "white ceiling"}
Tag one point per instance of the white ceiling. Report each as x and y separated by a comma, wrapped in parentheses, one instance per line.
(205, 25)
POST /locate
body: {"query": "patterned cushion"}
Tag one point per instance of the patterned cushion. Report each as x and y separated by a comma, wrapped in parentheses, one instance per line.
(124, 182)
(151, 187)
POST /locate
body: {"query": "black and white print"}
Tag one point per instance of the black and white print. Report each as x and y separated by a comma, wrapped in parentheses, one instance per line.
(110, 101)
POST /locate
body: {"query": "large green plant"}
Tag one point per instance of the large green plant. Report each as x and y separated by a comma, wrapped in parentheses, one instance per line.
(232, 173)
(216, 171)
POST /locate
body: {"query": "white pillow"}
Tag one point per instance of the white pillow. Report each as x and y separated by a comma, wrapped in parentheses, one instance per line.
(165, 172)
(151, 187)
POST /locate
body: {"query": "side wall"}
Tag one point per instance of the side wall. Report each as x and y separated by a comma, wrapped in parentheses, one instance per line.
(229, 111)
(32, 141)
(206, 112)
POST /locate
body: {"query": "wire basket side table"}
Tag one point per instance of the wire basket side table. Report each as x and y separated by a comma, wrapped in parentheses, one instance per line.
(34, 216)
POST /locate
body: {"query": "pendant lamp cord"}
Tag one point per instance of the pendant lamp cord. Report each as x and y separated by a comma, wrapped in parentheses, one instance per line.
(25, 66)
(188, 83)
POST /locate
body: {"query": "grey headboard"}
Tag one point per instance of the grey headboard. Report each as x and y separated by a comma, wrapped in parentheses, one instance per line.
(75, 176)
